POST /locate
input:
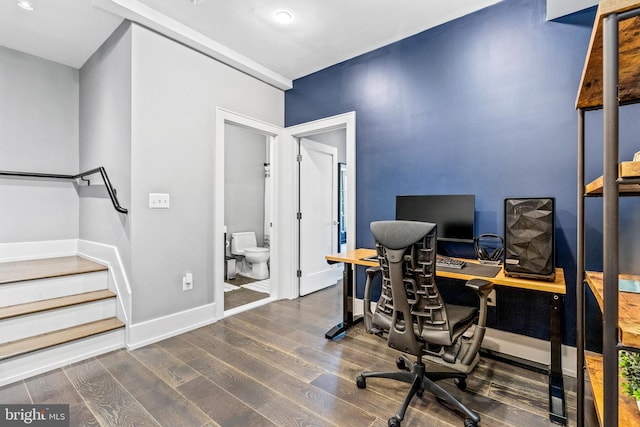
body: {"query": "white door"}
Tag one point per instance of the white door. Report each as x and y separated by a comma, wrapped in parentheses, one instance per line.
(318, 187)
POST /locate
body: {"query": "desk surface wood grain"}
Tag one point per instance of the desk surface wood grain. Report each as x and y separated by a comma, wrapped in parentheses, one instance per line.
(558, 286)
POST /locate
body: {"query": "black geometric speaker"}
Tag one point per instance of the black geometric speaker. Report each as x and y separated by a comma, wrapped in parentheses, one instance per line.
(529, 238)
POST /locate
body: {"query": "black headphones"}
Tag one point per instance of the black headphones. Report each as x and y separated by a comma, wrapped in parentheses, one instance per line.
(495, 244)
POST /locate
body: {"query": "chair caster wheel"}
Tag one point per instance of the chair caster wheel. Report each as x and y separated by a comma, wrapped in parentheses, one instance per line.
(461, 383)
(401, 364)
(468, 422)
(393, 422)
(361, 382)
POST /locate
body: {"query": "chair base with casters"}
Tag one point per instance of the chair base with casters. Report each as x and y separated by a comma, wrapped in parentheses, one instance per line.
(422, 380)
(414, 319)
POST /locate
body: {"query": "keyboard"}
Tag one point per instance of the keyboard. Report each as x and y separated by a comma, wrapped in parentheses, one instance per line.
(443, 261)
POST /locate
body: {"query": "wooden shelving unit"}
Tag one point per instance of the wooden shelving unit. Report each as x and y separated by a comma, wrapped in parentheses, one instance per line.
(627, 408)
(610, 78)
(590, 95)
(628, 308)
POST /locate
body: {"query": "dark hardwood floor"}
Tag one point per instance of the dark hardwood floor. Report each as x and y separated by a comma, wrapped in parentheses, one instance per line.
(272, 366)
(240, 297)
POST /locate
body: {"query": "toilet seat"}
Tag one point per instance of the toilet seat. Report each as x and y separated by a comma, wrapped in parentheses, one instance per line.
(256, 250)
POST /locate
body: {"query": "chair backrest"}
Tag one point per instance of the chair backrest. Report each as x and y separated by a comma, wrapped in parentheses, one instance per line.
(410, 302)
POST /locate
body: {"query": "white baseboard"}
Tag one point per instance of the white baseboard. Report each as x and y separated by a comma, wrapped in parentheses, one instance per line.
(249, 306)
(20, 251)
(521, 346)
(150, 331)
(118, 279)
(528, 348)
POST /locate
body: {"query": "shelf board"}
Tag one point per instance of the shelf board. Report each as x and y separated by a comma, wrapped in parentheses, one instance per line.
(628, 307)
(590, 92)
(629, 169)
(628, 414)
(626, 170)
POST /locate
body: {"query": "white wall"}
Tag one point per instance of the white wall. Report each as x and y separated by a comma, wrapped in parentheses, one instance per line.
(105, 140)
(38, 133)
(559, 8)
(244, 159)
(175, 92)
(335, 138)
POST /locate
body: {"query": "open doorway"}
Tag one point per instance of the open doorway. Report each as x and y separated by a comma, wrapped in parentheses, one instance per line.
(245, 167)
(309, 259)
(247, 216)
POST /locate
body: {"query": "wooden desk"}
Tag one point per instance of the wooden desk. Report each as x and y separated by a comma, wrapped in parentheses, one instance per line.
(555, 290)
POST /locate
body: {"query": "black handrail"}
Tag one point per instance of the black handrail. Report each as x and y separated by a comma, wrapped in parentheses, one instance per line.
(103, 173)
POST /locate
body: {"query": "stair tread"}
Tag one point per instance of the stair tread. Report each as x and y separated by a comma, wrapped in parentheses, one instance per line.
(50, 339)
(17, 271)
(54, 303)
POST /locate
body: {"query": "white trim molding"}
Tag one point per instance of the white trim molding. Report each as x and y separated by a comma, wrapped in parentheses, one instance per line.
(559, 8)
(150, 331)
(135, 11)
(527, 348)
(20, 251)
(118, 280)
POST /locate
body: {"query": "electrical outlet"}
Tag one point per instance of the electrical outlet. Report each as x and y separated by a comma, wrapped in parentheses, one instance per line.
(187, 282)
(491, 298)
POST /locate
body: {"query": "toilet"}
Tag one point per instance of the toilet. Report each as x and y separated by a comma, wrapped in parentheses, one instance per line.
(254, 262)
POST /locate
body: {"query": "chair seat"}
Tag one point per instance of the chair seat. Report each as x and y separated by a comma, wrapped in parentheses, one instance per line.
(460, 317)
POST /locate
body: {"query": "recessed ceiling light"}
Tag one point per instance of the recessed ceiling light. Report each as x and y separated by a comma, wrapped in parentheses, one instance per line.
(26, 5)
(284, 17)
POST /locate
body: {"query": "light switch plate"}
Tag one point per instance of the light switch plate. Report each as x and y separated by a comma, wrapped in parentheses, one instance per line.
(158, 201)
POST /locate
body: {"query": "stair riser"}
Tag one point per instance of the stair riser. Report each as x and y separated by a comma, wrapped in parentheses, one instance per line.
(28, 365)
(16, 328)
(36, 290)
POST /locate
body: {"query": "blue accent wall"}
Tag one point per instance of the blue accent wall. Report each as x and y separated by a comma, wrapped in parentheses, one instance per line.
(481, 105)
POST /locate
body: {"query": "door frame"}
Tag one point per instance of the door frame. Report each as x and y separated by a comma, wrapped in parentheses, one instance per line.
(345, 121)
(275, 133)
(284, 250)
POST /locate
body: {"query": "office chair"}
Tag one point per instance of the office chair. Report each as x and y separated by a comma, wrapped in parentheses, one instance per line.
(415, 319)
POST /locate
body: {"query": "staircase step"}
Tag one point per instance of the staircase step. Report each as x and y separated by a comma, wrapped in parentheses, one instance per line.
(42, 289)
(54, 303)
(42, 322)
(17, 271)
(39, 342)
(30, 364)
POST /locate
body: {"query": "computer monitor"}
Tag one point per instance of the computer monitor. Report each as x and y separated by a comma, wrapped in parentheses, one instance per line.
(452, 213)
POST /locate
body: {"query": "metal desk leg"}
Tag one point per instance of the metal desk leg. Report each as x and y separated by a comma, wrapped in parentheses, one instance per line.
(557, 407)
(347, 304)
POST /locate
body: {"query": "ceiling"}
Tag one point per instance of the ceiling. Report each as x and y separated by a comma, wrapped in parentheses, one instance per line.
(323, 32)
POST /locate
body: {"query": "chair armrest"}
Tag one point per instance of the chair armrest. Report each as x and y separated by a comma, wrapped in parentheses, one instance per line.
(368, 314)
(480, 286)
(374, 270)
(371, 273)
